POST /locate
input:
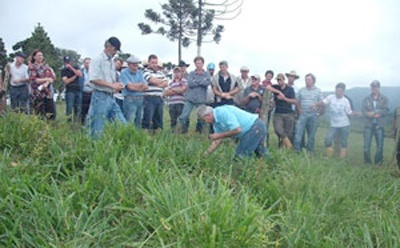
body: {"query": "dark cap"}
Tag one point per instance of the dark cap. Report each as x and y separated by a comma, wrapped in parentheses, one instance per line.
(375, 83)
(183, 63)
(115, 43)
(20, 54)
(67, 59)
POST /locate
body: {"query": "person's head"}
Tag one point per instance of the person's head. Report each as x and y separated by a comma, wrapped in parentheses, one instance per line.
(183, 66)
(223, 66)
(206, 114)
(118, 63)
(19, 57)
(269, 75)
(86, 63)
(375, 87)
(244, 71)
(211, 68)
(112, 46)
(153, 62)
(177, 73)
(199, 62)
(291, 77)
(133, 63)
(37, 57)
(340, 89)
(67, 60)
(281, 79)
(255, 81)
(310, 80)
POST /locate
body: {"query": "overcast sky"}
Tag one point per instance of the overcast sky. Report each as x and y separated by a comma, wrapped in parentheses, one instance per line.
(353, 41)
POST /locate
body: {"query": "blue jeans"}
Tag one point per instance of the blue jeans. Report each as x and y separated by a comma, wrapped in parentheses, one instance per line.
(175, 110)
(344, 135)
(73, 101)
(19, 96)
(310, 124)
(103, 108)
(133, 109)
(378, 132)
(184, 119)
(152, 112)
(252, 142)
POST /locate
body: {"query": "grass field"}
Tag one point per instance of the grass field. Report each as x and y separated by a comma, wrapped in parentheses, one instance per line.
(132, 189)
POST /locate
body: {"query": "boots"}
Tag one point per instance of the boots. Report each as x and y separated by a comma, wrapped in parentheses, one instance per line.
(343, 153)
(286, 143)
(330, 151)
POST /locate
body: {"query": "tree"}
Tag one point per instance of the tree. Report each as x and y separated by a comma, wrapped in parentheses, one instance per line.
(40, 40)
(180, 21)
(220, 10)
(3, 56)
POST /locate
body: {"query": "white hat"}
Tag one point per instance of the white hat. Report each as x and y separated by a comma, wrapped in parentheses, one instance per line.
(133, 60)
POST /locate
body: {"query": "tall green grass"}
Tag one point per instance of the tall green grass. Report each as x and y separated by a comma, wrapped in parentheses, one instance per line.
(59, 188)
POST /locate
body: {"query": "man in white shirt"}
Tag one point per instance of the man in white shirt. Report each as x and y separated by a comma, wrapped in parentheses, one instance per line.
(339, 109)
(19, 78)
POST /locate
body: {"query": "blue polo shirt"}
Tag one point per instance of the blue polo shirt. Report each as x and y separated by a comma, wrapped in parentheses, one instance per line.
(127, 76)
(228, 117)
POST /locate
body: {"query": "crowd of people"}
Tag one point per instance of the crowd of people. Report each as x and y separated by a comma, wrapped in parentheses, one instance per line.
(108, 89)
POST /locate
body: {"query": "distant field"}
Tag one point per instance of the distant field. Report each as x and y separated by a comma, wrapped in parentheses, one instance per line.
(132, 189)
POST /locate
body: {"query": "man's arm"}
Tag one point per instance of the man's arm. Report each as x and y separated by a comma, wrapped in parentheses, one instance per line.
(214, 145)
(230, 133)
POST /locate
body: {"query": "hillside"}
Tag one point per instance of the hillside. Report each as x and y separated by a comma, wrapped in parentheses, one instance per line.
(359, 93)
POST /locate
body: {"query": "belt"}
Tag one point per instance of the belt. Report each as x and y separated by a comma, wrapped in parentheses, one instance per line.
(18, 86)
(105, 92)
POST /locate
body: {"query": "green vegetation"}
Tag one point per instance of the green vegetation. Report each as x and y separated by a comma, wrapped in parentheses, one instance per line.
(132, 189)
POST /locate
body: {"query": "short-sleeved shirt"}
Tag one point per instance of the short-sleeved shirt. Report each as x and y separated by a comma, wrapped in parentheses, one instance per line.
(339, 110)
(308, 97)
(127, 77)
(228, 118)
(153, 90)
(102, 68)
(254, 104)
(177, 98)
(74, 85)
(18, 73)
(282, 106)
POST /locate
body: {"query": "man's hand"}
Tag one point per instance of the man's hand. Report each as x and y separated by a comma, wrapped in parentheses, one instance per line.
(117, 87)
(215, 136)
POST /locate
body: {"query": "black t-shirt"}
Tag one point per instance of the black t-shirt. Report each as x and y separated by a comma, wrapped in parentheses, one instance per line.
(254, 104)
(73, 86)
(281, 106)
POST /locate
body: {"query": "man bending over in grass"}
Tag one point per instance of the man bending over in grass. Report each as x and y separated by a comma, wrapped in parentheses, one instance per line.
(230, 121)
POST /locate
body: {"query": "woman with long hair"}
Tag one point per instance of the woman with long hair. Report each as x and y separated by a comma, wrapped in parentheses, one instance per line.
(42, 78)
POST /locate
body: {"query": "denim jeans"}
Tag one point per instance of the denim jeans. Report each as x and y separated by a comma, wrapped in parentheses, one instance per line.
(86, 97)
(133, 106)
(103, 108)
(343, 133)
(175, 110)
(309, 124)
(73, 101)
(252, 142)
(184, 119)
(152, 112)
(19, 96)
(378, 133)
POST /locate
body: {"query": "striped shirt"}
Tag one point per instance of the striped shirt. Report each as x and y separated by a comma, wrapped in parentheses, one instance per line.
(308, 97)
(178, 98)
(152, 89)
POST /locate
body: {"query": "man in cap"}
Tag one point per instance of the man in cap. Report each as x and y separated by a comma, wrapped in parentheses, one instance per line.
(291, 77)
(244, 81)
(102, 75)
(135, 85)
(182, 64)
(231, 121)
(70, 75)
(19, 78)
(253, 96)
(210, 94)
(374, 108)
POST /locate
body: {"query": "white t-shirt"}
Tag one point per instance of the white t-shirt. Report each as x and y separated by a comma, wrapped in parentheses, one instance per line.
(17, 73)
(339, 110)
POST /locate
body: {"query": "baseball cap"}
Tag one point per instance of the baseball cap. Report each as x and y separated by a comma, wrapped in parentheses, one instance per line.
(375, 83)
(20, 54)
(67, 59)
(211, 66)
(114, 41)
